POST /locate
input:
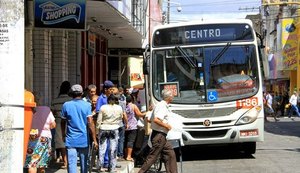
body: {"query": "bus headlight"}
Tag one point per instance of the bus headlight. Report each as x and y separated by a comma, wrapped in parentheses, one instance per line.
(249, 116)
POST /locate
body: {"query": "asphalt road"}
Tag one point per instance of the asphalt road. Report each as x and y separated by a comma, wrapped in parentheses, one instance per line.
(279, 153)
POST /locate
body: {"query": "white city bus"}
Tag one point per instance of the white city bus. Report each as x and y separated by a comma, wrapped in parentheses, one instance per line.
(213, 69)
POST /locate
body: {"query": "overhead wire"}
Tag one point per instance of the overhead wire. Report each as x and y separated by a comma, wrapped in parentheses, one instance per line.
(222, 2)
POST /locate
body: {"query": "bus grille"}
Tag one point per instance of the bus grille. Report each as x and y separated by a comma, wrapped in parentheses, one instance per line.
(208, 113)
(208, 134)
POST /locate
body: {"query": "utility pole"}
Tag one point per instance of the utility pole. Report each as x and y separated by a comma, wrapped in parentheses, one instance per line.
(168, 12)
(178, 5)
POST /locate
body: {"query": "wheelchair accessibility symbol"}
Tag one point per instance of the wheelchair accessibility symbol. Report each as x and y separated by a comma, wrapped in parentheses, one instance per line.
(212, 96)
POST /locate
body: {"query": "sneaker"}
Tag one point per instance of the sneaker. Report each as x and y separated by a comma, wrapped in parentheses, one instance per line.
(111, 171)
(118, 166)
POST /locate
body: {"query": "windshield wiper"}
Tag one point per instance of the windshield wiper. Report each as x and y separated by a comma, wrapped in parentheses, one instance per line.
(225, 48)
(186, 57)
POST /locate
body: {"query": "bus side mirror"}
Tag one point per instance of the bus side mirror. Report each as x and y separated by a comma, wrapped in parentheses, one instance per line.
(146, 64)
(146, 61)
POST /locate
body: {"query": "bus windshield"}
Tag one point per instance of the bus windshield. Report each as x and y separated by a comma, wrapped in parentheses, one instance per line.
(206, 74)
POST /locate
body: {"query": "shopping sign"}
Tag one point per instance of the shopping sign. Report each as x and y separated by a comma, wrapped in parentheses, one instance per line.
(62, 14)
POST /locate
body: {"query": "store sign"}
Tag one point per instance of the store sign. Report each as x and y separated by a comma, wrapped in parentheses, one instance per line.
(92, 44)
(63, 14)
(289, 44)
(171, 86)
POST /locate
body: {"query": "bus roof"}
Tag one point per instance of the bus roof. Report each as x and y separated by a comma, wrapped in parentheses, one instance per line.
(200, 32)
(200, 22)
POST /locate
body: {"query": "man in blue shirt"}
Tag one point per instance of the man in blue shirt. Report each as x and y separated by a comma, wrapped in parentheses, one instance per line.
(77, 115)
(107, 90)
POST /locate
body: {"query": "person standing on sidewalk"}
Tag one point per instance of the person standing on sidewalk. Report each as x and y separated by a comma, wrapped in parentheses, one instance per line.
(133, 113)
(92, 89)
(107, 90)
(56, 107)
(270, 110)
(294, 107)
(78, 115)
(39, 146)
(102, 100)
(160, 128)
(108, 123)
(123, 124)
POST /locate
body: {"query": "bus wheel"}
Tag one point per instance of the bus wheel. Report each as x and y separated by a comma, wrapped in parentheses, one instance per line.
(249, 148)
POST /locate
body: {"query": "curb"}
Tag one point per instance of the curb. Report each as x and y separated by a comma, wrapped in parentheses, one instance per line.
(126, 167)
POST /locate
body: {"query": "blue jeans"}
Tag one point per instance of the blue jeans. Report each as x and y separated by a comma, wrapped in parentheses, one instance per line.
(72, 154)
(294, 108)
(121, 142)
(108, 137)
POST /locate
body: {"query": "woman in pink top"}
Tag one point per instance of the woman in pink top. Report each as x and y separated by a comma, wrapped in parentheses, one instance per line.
(39, 147)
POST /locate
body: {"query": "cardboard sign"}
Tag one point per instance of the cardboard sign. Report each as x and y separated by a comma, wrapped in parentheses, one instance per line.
(172, 86)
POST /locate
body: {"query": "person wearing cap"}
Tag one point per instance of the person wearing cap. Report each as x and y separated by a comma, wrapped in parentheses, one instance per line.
(107, 90)
(293, 103)
(78, 115)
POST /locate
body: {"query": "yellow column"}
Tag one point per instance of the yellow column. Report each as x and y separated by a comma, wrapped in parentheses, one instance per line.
(298, 52)
(293, 80)
(298, 74)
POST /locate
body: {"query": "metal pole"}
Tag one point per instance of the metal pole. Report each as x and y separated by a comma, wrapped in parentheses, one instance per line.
(168, 12)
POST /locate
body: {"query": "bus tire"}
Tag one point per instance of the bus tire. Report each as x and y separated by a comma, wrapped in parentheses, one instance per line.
(249, 148)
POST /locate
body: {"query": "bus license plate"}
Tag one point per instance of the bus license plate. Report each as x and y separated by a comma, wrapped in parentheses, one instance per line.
(249, 132)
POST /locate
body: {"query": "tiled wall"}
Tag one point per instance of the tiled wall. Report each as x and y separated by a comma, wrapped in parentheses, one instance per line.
(74, 58)
(42, 57)
(54, 60)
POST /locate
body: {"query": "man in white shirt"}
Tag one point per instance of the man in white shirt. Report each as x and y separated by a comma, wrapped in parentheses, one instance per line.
(269, 99)
(160, 128)
(294, 107)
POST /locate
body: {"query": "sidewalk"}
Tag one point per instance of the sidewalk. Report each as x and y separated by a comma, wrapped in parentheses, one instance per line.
(126, 167)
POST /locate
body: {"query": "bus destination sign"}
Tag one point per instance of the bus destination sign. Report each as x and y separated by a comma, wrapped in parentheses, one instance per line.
(198, 34)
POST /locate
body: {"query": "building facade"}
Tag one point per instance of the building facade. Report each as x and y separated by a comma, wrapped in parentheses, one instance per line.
(282, 47)
(114, 32)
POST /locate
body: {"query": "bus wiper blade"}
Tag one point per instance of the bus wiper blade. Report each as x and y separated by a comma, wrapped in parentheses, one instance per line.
(221, 53)
(186, 57)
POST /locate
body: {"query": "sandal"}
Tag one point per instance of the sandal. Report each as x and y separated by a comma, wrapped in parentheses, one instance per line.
(63, 167)
(102, 170)
(130, 159)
